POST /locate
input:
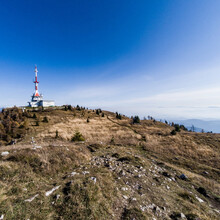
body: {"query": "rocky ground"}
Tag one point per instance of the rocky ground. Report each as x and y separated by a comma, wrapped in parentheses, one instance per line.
(43, 177)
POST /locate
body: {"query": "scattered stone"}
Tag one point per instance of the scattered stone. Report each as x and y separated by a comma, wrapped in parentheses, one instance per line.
(177, 215)
(124, 188)
(116, 155)
(51, 191)
(200, 200)
(1, 217)
(156, 209)
(94, 179)
(73, 173)
(183, 177)
(122, 173)
(166, 174)
(125, 197)
(31, 199)
(56, 197)
(85, 172)
(182, 215)
(172, 178)
(202, 191)
(5, 153)
(143, 208)
(36, 147)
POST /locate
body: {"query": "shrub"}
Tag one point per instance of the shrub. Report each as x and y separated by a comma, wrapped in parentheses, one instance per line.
(87, 120)
(70, 107)
(57, 134)
(78, 137)
(118, 116)
(136, 120)
(78, 108)
(112, 141)
(103, 115)
(45, 119)
(34, 116)
(173, 132)
(183, 128)
(37, 123)
(177, 127)
(143, 138)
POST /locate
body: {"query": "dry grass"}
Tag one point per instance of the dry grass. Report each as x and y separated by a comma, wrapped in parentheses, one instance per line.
(135, 159)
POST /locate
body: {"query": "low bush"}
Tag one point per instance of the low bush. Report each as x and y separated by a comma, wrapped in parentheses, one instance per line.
(173, 132)
(45, 120)
(78, 137)
(136, 120)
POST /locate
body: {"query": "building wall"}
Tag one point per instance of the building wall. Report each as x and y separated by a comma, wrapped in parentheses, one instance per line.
(41, 103)
(47, 103)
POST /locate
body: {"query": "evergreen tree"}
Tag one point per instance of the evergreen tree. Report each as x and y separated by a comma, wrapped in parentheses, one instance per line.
(173, 132)
(78, 137)
(136, 120)
(45, 120)
(57, 134)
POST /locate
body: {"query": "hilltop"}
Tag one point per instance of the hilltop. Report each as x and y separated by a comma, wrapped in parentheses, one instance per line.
(75, 163)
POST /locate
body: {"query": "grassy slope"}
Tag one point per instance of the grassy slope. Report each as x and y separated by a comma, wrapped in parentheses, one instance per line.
(121, 171)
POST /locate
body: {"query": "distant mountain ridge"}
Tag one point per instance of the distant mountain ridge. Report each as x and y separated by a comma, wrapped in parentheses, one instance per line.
(207, 125)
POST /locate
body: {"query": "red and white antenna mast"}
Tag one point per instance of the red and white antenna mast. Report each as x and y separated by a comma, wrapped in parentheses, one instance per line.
(36, 82)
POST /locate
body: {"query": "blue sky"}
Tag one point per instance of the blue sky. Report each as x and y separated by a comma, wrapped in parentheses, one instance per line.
(159, 57)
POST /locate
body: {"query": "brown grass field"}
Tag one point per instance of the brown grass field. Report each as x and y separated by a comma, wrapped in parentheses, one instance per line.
(120, 171)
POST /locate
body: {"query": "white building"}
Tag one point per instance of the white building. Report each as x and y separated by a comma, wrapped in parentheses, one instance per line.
(37, 99)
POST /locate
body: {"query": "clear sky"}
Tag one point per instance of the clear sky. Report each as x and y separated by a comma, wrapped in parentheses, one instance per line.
(158, 57)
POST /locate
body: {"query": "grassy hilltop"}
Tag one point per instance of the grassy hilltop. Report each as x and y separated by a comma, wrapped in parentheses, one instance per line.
(74, 163)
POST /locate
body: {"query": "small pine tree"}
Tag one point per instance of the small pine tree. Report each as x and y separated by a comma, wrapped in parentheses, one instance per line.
(143, 138)
(112, 141)
(45, 120)
(57, 134)
(173, 132)
(37, 123)
(87, 120)
(97, 112)
(69, 107)
(103, 115)
(78, 108)
(78, 137)
(177, 128)
(118, 116)
(34, 116)
(136, 120)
